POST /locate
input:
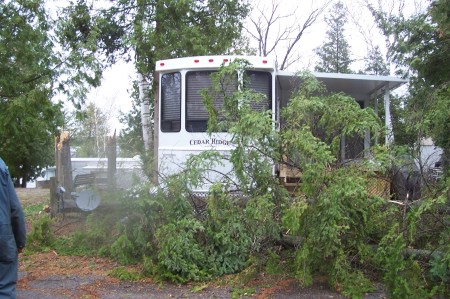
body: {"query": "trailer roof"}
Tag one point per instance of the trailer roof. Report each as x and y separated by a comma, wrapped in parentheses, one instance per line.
(360, 87)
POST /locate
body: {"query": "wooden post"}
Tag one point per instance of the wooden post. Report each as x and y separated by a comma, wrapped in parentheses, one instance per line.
(57, 159)
(53, 197)
(111, 154)
(66, 165)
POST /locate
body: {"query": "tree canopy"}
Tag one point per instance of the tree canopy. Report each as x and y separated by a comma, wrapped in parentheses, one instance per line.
(28, 117)
(153, 30)
(375, 63)
(43, 56)
(421, 51)
(25, 49)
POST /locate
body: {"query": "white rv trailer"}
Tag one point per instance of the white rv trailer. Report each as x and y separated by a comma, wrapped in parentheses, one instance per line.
(181, 118)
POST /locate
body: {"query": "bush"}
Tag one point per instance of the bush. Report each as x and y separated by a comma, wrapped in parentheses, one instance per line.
(180, 256)
(41, 237)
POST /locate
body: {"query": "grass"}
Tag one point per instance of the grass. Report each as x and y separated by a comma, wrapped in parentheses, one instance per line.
(33, 201)
(30, 197)
(126, 274)
(33, 210)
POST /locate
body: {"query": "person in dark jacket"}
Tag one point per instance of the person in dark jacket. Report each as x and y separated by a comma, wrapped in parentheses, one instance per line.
(12, 234)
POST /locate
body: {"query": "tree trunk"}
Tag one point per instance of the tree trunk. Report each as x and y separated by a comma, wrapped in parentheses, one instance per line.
(111, 154)
(145, 110)
(154, 177)
(24, 181)
(418, 254)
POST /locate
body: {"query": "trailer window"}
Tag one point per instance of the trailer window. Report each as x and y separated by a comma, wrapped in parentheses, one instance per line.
(196, 114)
(171, 102)
(260, 82)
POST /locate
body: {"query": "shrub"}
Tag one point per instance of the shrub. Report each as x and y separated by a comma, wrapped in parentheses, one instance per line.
(180, 256)
(41, 237)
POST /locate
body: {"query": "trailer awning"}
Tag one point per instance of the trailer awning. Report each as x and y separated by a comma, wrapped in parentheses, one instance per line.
(360, 87)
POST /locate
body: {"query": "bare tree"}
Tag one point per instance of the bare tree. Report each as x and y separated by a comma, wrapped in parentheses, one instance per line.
(391, 8)
(385, 11)
(278, 33)
(363, 23)
(363, 15)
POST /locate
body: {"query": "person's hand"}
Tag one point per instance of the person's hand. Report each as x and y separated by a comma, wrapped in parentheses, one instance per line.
(20, 249)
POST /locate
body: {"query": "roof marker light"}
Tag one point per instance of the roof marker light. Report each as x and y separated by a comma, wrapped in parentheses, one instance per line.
(196, 61)
(211, 60)
(225, 60)
(161, 64)
(264, 61)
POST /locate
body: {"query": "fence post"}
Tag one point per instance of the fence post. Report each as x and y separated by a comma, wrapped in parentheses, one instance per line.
(111, 154)
(64, 163)
(53, 197)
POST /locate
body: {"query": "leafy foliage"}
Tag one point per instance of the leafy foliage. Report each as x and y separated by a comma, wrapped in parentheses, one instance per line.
(25, 50)
(41, 237)
(322, 120)
(123, 273)
(403, 277)
(334, 212)
(27, 128)
(28, 117)
(226, 228)
(420, 48)
(181, 256)
(333, 209)
(375, 64)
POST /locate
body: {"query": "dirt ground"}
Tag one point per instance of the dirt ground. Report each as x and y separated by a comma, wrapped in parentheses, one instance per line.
(29, 197)
(49, 275)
